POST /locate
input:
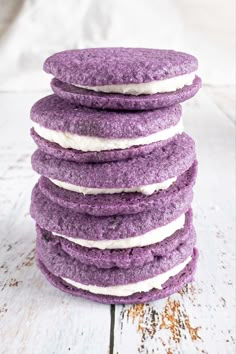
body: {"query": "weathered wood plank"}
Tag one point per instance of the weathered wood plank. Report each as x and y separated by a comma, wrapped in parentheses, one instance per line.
(200, 319)
(34, 317)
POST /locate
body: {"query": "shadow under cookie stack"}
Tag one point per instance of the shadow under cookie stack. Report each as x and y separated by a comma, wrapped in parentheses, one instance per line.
(113, 204)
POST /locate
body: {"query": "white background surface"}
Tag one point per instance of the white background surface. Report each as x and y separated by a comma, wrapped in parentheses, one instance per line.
(36, 29)
(35, 317)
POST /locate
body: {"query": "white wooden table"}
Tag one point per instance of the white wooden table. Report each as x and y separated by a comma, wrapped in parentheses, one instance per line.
(35, 318)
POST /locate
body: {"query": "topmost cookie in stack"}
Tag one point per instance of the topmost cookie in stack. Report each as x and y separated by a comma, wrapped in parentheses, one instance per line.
(113, 205)
(136, 79)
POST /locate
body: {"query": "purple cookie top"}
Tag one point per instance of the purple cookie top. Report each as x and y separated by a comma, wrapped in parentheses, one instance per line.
(53, 217)
(101, 156)
(123, 203)
(160, 165)
(98, 100)
(62, 264)
(172, 285)
(56, 114)
(111, 66)
(121, 258)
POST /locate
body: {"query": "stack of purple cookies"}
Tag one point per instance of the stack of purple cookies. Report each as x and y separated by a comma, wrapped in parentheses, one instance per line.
(113, 204)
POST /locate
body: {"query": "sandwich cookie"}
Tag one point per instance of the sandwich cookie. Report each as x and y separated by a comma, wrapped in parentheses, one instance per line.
(123, 78)
(122, 203)
(117, 102)
(85, 135)
(63, 265)
(116, 282)
(171, 286)
(124, 257)
(120, 232)
(145, 174)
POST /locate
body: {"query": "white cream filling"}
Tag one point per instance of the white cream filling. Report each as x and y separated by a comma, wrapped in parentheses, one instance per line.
(147, 190)
(129, 289)
(146, 88)
(90, 143)
(149, 238)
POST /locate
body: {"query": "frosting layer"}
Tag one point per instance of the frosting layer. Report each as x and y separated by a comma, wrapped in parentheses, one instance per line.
(129, 289)
(86, 143)
(93, 156)
(145, 88)
(157, 235)
(147, 190)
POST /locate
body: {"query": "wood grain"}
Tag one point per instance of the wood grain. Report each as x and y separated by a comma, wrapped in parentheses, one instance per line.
(200, 318)
(36, 318)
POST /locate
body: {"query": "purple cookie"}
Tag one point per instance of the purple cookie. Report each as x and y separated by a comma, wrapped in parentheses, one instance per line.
(111, 66)
(117, 66)
(68, 222)
(102, 156)
(61, 264)
(121, 258)
(163, 163)
(172, 286)
(98, 100)
(56, 114)
(123, 203)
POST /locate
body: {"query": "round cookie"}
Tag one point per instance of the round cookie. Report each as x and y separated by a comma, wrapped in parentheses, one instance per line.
(95, 68)
(56, 114)
(162, 164)
(121, 258)
(172, 286)
(112, 101)
(62, 264)
(112, 66)
(122, 203)
(59, 116)
(55, 218)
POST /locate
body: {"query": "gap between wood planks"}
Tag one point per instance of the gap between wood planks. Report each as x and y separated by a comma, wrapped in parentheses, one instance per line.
(112, 329)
